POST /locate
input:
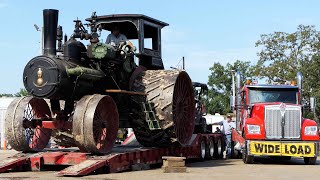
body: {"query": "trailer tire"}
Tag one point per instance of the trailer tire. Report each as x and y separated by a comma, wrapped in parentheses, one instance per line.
(219, 148)
(203, 148)
(210, 149)
(310, 160)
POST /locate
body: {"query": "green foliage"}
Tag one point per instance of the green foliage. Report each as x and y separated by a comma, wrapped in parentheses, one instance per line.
(220, 85)
(21, 93)
(283, 54)
(6, 95)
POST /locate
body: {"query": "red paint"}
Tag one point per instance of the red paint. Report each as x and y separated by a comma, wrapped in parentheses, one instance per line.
(309, 122)
(53, 157)
(256, 117)
(72, 158)
(36, 163)
(236, 137)
(115, 162)
(57, 124)
(14, 163)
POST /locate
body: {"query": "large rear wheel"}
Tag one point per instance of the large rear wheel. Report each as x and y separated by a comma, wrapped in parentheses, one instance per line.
(171, 97)
(95, 123)
(22, 124)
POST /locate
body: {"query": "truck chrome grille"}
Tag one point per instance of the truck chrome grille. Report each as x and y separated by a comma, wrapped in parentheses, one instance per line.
(292, 118)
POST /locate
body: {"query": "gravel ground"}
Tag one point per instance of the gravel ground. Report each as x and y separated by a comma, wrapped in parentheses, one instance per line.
(215, 169)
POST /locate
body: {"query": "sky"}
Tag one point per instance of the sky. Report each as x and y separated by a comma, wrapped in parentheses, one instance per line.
(204, 32)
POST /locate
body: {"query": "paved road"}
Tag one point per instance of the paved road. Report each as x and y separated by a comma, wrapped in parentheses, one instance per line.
(215, 169)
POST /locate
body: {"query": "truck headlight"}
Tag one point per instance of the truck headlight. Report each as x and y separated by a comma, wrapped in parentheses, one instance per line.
(253, 129)
(310, 130)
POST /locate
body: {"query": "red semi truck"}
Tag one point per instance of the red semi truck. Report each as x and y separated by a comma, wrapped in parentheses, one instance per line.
(270, 119)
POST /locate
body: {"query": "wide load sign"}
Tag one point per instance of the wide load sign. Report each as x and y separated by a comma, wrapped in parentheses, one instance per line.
(282, 149)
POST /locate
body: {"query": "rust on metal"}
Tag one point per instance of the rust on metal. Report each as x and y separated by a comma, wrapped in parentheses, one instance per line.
(174, 107)
(95, 123)
(58, 124)
(23, 110)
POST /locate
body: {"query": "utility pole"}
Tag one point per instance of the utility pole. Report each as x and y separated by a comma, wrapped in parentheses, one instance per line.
(233, 88)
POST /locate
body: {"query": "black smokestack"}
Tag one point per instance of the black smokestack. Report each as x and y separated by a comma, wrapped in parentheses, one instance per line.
(50, 24)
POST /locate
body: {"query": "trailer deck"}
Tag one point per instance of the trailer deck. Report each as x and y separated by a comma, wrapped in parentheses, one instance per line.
(122, 158)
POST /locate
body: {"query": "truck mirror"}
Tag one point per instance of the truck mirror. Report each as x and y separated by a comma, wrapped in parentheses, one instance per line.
(312, 104)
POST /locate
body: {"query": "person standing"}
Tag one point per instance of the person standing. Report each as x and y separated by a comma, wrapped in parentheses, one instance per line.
(228, 125)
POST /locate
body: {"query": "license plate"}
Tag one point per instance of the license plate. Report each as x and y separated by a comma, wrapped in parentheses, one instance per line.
(282, 149)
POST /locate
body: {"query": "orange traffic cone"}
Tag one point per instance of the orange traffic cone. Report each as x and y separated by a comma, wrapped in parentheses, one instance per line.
(5, 144)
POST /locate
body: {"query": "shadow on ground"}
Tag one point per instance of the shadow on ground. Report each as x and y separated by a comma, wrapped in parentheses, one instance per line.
(293, 161)
(211, 163)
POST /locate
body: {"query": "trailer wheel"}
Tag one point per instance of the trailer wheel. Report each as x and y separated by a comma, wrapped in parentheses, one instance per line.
(218, 148)
(210, 149)
(203, 150)
(310, 160)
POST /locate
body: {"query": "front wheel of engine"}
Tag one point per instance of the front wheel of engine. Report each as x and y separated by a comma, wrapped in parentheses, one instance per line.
(22, 124)
(95, 123)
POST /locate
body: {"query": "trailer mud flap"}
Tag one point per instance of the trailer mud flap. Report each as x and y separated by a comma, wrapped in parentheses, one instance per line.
(260, 148)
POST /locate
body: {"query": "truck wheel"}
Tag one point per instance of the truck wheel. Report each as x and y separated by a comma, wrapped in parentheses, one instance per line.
(203, 150)
(218, 149)
(247, 159)
(210, 149)
(310, 160)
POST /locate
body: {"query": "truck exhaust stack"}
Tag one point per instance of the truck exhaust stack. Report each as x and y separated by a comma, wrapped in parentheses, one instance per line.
(238, 98)
(299, 83)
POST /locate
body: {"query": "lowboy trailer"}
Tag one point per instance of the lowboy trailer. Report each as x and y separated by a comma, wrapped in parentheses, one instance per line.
(124, 157)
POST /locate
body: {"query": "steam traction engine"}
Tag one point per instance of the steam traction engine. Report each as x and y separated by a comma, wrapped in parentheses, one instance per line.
(270, 118)
(93, 90)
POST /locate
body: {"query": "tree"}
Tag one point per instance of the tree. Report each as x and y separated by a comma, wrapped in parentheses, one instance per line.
(220, 85)
(21, 93)
(283, 54)
(6, 95)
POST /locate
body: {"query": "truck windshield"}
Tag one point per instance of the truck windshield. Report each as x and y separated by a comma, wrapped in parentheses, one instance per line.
(273, 95)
